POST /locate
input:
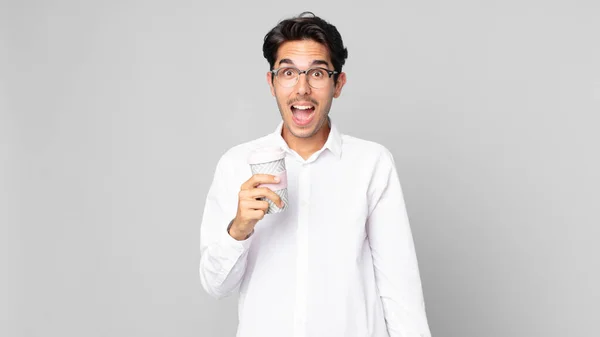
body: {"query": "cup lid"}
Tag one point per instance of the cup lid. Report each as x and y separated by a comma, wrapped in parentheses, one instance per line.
(265, 155)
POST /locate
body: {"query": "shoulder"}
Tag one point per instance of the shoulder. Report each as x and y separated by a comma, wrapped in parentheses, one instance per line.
(366, 150)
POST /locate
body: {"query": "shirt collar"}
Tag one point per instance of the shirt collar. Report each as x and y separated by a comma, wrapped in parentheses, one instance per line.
(333, 143)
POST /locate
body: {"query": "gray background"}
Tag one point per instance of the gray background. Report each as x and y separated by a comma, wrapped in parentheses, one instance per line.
(114, 114)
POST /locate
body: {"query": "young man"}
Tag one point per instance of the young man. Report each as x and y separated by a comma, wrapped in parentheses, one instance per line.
(340, 260)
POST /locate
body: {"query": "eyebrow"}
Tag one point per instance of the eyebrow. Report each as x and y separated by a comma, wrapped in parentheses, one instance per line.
(315, 62)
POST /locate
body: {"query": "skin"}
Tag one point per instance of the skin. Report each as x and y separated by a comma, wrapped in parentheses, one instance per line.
(303, 54)
(305, 139)
(250, 210)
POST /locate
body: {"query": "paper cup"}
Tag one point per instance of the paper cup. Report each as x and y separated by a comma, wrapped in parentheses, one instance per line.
(271, 161)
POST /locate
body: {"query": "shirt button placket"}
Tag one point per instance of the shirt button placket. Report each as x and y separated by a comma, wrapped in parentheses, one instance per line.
(302, 252)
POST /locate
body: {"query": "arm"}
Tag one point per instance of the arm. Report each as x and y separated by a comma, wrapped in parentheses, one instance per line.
(222, 258)
(394, 258)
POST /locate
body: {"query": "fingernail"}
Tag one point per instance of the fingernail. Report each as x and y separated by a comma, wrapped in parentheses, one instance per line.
(276, 179)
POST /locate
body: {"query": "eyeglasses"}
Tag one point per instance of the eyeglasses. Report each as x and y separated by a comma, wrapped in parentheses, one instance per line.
(317, 77)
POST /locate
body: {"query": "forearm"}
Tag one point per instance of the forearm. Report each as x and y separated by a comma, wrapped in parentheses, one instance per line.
(404, 307)
(397, 275)
(223, 264)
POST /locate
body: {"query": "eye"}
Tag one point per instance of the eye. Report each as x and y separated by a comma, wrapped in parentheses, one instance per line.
(317, 73)
(287, 72)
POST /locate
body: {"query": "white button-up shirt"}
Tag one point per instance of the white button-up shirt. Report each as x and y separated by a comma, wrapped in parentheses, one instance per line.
(339, 262)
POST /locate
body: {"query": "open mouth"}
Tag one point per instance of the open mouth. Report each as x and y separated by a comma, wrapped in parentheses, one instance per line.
(302, 113)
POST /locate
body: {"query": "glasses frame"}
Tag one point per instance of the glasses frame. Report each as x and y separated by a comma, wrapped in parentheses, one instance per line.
(300, 72)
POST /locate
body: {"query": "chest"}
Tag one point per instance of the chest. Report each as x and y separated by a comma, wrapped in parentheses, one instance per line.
(331, 202)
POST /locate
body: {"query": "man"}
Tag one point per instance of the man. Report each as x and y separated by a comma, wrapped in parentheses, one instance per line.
(340, 260)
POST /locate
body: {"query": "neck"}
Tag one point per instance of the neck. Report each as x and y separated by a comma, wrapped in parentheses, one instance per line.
(305, 147)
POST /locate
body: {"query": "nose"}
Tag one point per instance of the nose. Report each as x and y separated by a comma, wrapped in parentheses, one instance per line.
(302, 85)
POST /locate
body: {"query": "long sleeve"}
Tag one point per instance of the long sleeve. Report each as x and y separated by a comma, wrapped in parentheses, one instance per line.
(394, 257)
(222, 258)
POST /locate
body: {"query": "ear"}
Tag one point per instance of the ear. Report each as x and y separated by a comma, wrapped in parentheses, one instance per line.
(270, 81)
(339, 85)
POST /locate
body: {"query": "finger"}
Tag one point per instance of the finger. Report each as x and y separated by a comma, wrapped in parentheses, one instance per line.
(267, 193)
(257, 214)
(255, 205)
(253, 194)
(258, 179)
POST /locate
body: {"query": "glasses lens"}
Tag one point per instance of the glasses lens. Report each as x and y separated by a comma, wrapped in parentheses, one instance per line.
(287, 77)
(317, 78)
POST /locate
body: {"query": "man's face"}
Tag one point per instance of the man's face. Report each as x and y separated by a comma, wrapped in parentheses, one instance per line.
(304, 109)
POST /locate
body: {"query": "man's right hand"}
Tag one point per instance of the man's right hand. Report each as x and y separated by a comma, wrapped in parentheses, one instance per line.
(250, 210)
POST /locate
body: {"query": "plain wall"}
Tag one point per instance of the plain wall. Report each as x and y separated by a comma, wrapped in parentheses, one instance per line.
(114, 114)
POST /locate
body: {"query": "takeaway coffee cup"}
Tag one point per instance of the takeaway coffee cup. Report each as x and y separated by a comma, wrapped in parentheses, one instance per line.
(271, 160)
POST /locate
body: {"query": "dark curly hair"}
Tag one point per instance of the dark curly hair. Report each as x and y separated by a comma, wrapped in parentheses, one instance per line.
(306, 26)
